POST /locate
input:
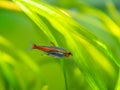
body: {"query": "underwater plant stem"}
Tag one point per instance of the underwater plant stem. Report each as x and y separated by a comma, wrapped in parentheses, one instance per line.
(64, 73)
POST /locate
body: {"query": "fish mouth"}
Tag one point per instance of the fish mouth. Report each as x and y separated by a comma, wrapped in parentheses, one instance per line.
(69, 53)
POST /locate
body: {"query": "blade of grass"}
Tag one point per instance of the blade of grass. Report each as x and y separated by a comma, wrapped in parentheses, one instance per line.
(9, 5)
(43, 27)
(118, 82)
(113, 28)
(70, 29)
(64, 32)
(11, 82)
(113, 11)
(20, 57)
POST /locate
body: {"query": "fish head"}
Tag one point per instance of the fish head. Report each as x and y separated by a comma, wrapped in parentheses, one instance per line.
(67, 54)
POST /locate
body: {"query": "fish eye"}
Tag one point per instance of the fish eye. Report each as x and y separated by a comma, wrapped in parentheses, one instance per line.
(69, 53)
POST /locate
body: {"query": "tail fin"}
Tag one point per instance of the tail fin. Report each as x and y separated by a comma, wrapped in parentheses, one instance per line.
(34, 46)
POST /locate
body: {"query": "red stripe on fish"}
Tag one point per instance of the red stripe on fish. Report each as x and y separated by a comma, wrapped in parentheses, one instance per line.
(44, 48)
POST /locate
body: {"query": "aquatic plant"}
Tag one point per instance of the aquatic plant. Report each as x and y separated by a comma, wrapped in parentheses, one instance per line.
(92, 35)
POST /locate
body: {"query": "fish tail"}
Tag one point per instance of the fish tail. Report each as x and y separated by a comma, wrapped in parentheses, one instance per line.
(34, 46)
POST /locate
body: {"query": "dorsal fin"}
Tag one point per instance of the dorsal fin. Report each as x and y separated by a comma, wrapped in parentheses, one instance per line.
(52, 44)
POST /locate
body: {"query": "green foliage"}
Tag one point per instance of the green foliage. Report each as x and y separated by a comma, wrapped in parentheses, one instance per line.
(89, 33)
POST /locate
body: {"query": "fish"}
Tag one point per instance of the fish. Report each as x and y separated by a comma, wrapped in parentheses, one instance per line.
(53, 50)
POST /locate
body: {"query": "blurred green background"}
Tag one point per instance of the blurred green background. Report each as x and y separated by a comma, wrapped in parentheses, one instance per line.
(90, 29)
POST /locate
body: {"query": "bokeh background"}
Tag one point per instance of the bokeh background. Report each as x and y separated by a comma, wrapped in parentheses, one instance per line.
(90, 29)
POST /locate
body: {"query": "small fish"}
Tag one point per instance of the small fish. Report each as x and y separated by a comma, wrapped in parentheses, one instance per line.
(53, 50)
